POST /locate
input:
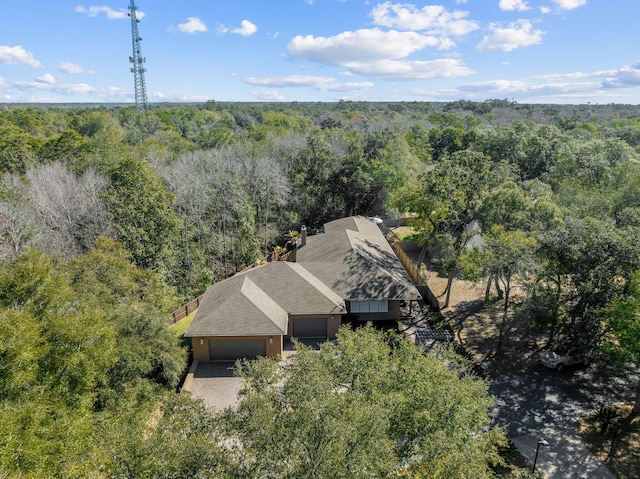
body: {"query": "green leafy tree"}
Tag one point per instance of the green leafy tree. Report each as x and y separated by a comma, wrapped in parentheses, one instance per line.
(586, 264)
(447, 200)
(510, 259)
(139, 305)
(623, 333)
(369, 406)
(140, 206)
(310, 181)
(81, 342)
(18, 149)
(63, 146)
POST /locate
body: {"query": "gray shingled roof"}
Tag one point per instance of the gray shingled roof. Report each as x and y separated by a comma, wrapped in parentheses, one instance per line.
(354, 259)
(351, 260)
(258, 302)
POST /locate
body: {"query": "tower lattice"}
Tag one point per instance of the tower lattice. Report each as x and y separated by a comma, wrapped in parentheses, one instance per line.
(138, 61)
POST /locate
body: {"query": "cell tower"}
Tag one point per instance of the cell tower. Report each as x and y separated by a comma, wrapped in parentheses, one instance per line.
(138, 61)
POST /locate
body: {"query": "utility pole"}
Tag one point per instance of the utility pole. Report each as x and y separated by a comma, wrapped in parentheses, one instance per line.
(138, 61)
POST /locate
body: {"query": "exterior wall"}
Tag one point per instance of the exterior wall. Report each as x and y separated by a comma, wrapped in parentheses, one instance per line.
(201, 351)
(333, 325)
(334, 321)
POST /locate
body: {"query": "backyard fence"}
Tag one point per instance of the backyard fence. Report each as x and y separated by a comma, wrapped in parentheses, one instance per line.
(186, 310)
(416, 273)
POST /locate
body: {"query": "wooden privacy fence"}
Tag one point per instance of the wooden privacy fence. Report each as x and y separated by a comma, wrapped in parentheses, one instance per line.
(186, 310)
(416, 274)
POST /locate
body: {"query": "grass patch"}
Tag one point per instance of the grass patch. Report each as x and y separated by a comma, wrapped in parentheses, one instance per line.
(597, 436)
(409, 235)
(180, 328)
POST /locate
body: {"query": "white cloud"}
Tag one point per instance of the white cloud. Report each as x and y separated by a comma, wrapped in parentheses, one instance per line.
(58, 88)
(411, 70)
(434, 19)
(291, 81)
(18, 55)
(269, 95)
(246, 28)
(577, 86)
(376, 53)
(350, 86)
(76, 91)
(510, 88)
(72, 68)
(359, 46)
(159, 96)
(192, 25)
(108, 11)
(510, 5)
(569, 4)
(624, 77)
(309, 81)
(47, 78)
(3, 84)
(516, 35)
(545, 10)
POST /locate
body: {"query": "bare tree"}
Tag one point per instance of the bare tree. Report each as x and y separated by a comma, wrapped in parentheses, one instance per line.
(70, 208)
(269, 190)
(19, 222)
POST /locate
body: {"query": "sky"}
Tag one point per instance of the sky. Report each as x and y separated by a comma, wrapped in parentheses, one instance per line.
(528, 51)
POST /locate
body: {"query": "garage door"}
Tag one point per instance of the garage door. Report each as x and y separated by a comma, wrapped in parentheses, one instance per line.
(310, 328)
(230, 350)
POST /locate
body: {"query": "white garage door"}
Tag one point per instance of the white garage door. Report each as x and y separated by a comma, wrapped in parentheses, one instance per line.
(310, 328)
(230, 350)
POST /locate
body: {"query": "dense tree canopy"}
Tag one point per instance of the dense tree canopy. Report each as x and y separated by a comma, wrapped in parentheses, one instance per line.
(79, 340)
(370, 406)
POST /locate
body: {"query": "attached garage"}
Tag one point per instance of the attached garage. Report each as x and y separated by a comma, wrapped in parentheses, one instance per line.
(309, 328)
(232, 349)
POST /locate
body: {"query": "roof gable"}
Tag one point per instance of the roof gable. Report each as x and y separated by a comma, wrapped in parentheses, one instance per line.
(259, 301)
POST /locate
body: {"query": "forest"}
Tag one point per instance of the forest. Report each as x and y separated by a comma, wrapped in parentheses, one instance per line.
(109, 220)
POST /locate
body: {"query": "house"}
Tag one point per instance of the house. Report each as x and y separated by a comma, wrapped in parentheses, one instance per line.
(350, 269)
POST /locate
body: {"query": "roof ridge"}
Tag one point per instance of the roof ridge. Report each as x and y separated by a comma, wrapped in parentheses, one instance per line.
(265, 303)
(317, 284)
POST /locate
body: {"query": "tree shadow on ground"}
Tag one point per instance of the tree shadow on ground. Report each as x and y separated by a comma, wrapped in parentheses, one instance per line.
(625, 460)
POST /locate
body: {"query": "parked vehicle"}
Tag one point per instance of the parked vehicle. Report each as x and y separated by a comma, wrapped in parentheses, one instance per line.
(559, 361)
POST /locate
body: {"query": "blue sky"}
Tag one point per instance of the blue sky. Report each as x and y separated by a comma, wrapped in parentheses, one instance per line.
(530, 51)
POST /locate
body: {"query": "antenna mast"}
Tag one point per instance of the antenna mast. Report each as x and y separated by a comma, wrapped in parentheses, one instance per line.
(138, 61)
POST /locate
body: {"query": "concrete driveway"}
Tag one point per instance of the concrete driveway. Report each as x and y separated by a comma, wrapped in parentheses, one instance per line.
(544, 404)
(214, 383)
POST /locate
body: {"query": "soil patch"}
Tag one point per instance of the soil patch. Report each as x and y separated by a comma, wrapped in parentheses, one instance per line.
(476, 322)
